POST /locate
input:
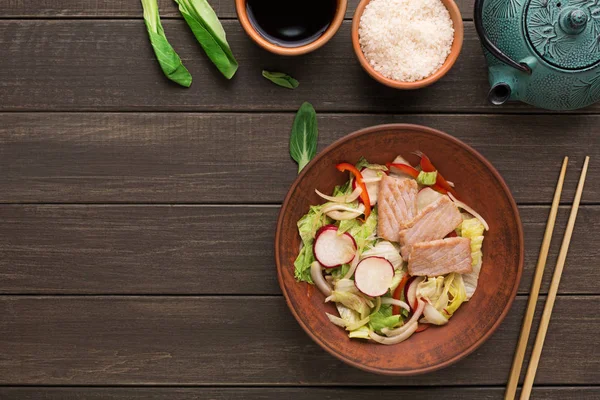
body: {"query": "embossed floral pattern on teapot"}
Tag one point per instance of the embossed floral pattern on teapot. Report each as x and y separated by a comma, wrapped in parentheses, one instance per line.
(543, 52)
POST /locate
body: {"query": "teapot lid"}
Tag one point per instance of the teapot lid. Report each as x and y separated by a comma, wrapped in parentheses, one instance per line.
(565, 33)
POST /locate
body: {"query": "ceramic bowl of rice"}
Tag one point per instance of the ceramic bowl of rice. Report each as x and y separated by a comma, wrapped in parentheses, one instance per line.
(407, 44)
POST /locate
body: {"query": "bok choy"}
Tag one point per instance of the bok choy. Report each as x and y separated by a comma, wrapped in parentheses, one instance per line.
(205, 25)
(168, 59)
(281, 79)
(303, 140)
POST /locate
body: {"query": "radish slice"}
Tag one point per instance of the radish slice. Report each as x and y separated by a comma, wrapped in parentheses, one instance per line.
(371, 179)
(426, 196)
(333, 250)
(373, 276)
(411, 291)
(406, 287)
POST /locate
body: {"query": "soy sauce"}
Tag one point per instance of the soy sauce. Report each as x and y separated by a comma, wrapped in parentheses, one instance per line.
(291, 23)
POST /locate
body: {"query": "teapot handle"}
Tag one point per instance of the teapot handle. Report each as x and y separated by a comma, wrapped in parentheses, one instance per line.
(491, 47)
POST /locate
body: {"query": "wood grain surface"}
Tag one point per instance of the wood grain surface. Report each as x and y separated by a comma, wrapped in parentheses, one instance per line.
(190, 249)
(247, 340)
(108, 65)
(133, 9)
(250, 393)
(137, 217)
(244, 158)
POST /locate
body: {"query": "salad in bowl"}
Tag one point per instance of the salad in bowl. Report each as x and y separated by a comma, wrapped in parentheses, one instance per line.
(394, 248)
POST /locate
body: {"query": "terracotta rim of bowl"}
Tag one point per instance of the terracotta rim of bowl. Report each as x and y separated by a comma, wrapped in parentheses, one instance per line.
(240, 7)
(450, 60)
(405, 127)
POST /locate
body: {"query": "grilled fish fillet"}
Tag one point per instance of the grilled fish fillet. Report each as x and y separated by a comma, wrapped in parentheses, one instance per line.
(440, 257)
(433, 222)
(397, 206)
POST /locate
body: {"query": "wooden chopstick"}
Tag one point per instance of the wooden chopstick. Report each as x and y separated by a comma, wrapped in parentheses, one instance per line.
(545, 321)
(515, 370)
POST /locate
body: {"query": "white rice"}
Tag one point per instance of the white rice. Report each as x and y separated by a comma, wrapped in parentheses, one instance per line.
(406, 40)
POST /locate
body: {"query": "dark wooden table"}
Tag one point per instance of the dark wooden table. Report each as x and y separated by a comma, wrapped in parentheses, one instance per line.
(137, 217)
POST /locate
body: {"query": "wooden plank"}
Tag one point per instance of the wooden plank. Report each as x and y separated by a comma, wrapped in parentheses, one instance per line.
(191, 158)
(177, 250)
(189, 250)
(131, 9)
(108, 65)
(270, 393)
(244, 340)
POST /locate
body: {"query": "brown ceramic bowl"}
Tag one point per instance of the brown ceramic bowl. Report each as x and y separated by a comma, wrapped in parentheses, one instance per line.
(240, 7)
(454, 51)
(477, 184)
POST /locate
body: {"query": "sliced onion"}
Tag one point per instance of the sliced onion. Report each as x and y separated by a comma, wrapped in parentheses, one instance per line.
(410, 329)
(468, 209)
(411, 291)
(345, 215)
(317, 276)
(357, 324)
(377, 305)
(413, 320)
(336, 320)
(342, 216)
(345, 285)
(353, 266)
(341, 207)
(433, 316)
(368, 300)
(394, 302)
(342, 199)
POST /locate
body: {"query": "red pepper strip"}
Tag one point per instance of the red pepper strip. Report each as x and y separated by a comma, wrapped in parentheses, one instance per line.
(398, 294)
(425, 163)
(358, 178)
(427, 166)
(407, 169)
(422, 327)
(451, 234)
(440, 189)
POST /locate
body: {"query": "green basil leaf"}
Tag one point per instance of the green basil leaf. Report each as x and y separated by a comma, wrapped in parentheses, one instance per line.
(303, 141)
(205, 25)
(281, 79)
(168, 59)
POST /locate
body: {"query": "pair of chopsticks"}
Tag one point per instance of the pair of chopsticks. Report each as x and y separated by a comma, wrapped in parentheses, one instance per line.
(515, 371)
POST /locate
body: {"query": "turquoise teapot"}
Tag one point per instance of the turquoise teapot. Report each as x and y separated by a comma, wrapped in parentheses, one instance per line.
(542, 52)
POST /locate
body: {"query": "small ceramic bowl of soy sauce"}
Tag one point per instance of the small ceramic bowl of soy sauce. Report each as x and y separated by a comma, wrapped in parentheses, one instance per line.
(291, 27)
